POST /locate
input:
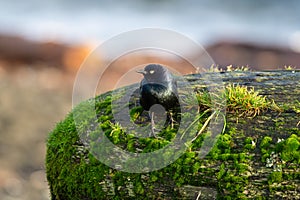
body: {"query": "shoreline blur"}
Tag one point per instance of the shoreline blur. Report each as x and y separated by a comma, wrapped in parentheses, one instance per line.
(16, 51)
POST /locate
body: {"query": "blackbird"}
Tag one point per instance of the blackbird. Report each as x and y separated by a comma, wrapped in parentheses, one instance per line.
(159, 87)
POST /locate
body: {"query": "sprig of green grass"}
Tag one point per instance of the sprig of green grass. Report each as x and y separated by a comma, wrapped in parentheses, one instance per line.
(241, 100)
(245, 101)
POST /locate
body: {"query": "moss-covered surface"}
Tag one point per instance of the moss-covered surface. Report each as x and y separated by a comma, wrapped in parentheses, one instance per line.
(257, 155)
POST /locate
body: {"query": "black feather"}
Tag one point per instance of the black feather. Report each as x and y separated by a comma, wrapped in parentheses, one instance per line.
(159, 87)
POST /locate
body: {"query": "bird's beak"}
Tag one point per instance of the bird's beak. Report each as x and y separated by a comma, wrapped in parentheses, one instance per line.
(141, 72)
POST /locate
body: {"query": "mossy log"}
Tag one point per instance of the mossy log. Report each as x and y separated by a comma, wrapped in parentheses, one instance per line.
(254, 158)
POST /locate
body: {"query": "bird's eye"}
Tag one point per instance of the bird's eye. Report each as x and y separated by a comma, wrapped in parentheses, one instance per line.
(151, 71)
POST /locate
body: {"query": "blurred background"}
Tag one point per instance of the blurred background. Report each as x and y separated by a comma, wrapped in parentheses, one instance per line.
(43, 43)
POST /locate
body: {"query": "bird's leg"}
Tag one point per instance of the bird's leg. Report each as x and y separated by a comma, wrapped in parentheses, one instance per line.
(172, 120)
(153, 129)
(152, 124)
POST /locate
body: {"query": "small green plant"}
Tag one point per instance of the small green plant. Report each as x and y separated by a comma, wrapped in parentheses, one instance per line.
(229, 68)
(289, 67)
(245, 101)
(240, 100)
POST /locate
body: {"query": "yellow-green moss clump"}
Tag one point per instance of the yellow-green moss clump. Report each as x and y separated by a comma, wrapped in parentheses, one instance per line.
(233, 167)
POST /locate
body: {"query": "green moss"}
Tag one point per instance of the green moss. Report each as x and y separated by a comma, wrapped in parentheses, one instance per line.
(265, 147)
(288, 149)
(135, 113)
(249, 144)
(231, 184)
(291, 149)
(275, 177)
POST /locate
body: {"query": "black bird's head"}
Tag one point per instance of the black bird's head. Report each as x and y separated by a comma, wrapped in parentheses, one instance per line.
(155, 73)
